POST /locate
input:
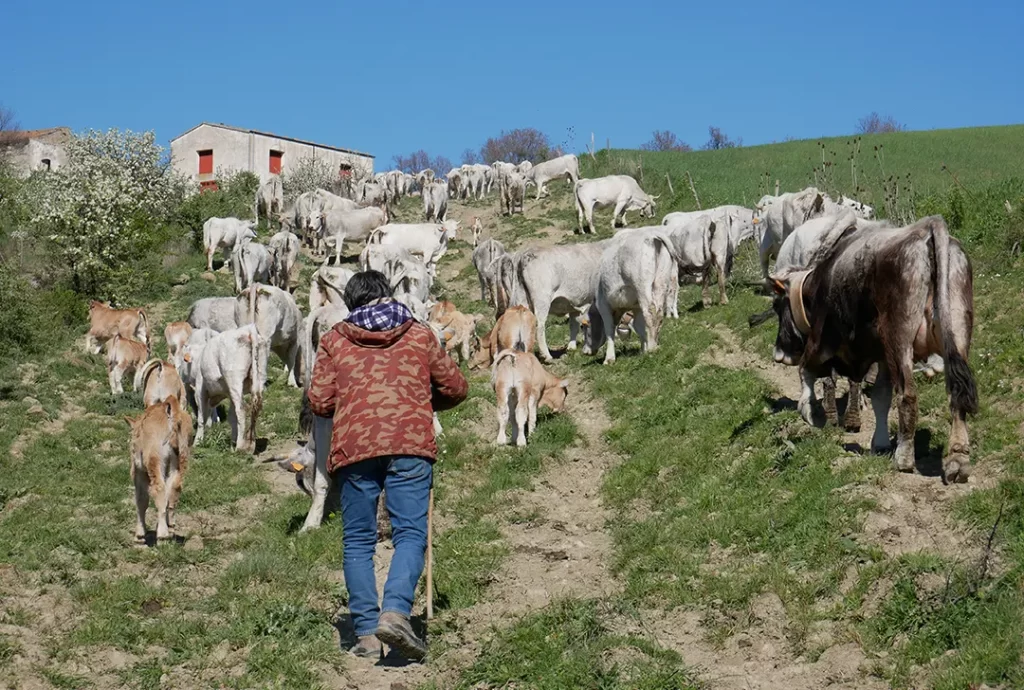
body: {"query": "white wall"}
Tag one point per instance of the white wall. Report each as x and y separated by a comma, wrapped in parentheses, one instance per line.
(245, 151)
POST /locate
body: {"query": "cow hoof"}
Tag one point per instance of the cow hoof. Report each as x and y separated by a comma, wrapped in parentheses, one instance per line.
(806, 411)
(881, 450)
(852, 427)
(903, 458)
(956, 468)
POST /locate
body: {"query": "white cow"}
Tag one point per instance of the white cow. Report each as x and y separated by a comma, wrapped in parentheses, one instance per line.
(429, 241)
(555, 280)
(214, 313)
(635, 274)
(269, 198)
(484, 257)
(233, 363)
(317, 324)
(327, 286)
(742, 229)
(783, 214)
(250, 263)
(279, 320)
(622, 191)
(227, 234)
(373, 194)
(284, 249)
(350, 225)
(524, 167)
(513, 192)
(542, 173)
(435, 201)
(188, 366)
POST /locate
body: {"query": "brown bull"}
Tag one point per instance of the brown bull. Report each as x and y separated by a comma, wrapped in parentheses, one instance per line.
(105, 322)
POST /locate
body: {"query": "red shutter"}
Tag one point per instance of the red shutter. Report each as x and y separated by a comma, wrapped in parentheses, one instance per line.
(208, 186)
(206, 162)
(275, 162)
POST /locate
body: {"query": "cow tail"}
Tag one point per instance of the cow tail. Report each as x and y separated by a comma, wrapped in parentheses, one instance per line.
(144, 371)
(256, 405)
(960, 383)
(112, 349)
(498, 359)
(181, 429)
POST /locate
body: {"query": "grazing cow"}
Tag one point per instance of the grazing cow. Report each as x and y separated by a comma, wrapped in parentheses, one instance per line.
(350, 225)
(555, 280)
(477, 228)
(233, 363)
(521, 383)
(106, 322)
(459, 329)
(159, 450)
(176, 335)
(891, 296)
(742, 221)
(621, 190)
(269, 198)
(483, 260)
(124, 356)
(250, 263)
(214, 313)
(227, 234)
(284, 249)
(861, 209)
(635, 274)
(542, 173)
(435, 202)
(158, 381)
(279, 320)
(327, 286)
(429, 241)
(516, 329)
(513, 192)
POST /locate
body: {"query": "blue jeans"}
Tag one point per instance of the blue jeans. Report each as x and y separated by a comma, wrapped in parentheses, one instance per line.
(407, 481)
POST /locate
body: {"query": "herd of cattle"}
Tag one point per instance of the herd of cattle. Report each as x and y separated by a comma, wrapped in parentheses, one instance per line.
(853, 297)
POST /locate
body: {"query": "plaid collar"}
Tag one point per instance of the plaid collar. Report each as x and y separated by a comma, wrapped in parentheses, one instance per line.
(380, 315)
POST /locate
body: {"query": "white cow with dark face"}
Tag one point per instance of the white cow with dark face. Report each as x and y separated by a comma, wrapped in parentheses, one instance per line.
(622, 191)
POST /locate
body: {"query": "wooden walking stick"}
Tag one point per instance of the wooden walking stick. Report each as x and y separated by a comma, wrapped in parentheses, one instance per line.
(430, 556)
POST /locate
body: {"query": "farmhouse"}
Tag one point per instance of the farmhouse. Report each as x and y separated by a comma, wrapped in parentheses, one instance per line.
(35, 149)
(208, 147)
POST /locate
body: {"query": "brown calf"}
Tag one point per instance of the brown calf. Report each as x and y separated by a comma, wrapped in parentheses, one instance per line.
(521, 383)
(158, 381)
(159, 458)
(124, 355)
(105, 323)
(176, 335)
(458, 329)
(516, 329)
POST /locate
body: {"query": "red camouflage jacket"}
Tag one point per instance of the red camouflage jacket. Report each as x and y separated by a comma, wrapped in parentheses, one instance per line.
(382, 388)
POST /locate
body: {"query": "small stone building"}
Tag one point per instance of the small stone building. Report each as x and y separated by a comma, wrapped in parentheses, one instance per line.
(208, 147)
(35, 149)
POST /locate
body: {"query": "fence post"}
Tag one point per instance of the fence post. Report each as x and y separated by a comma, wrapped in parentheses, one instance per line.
(693, 189)
(673, 192)
(776, 187)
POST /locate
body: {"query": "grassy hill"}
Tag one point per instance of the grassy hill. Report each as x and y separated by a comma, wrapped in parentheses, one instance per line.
(979, 157)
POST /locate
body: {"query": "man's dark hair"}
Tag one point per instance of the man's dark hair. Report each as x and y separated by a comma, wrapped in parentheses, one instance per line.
(366, 287)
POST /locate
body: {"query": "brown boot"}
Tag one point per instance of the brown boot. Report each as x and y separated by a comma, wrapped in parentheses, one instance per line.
(394, 631)
(368, 647)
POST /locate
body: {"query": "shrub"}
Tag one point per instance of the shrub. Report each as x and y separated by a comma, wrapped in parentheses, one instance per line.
(102, 210)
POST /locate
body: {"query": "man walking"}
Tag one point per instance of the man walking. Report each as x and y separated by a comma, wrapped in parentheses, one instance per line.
(380, 375)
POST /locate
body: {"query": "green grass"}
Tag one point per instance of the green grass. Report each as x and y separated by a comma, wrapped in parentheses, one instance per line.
(978, 156)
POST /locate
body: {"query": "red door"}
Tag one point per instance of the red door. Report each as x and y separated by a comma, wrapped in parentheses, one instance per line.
(206, 162)
(275, 162)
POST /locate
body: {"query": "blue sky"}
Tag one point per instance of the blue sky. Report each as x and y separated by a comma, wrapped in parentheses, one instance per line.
(391, 77)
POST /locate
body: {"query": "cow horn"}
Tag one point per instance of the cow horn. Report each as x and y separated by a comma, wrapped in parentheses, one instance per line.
(796, 303)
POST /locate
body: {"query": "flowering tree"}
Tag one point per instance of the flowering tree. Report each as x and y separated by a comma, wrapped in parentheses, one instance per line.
(308, 174)
(103, 208)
